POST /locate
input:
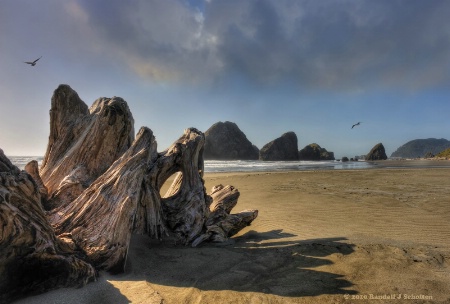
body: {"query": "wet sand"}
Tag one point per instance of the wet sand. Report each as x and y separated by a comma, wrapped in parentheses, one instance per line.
(357, 236)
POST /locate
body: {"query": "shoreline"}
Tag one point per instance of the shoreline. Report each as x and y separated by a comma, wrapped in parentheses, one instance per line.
(217, 166)
(376, 165)
(412, 163)
(288, 166)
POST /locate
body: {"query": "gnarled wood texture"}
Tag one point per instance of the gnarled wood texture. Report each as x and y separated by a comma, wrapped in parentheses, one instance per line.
(83, 143)
(32, 258)
(100, 185)
(185, 203)
(32, 168)
(101, 219)
(220, 224)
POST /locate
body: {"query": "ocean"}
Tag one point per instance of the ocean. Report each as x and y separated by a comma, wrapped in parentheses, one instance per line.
(246, 165)
(21, 161)
(265, 166)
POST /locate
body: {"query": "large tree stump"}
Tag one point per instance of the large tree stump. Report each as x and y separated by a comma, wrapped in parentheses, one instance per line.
(99, 185)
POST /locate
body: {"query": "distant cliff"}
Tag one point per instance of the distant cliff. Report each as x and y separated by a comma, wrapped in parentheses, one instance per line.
(282, 148)
(421, 147)
(225, 141)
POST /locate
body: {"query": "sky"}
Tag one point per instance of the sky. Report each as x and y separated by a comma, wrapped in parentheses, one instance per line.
(314, 67)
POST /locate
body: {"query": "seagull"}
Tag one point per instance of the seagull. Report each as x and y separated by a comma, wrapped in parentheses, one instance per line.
(356, 124)
(34, 62)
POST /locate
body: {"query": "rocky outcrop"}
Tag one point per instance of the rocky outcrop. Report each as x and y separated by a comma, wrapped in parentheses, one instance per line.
(444, 154)
(429, 155)
(282, 148)
(377, 153)
(225, 141)
(421, 147)
(315, 152)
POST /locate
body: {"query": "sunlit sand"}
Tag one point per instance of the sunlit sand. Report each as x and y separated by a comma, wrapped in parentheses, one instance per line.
(332, 236)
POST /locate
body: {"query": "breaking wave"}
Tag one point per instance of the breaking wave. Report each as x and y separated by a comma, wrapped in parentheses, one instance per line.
(246, 165)
(264, 166)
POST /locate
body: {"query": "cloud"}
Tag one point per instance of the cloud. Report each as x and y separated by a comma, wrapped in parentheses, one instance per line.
(160, 40)
(343, 45)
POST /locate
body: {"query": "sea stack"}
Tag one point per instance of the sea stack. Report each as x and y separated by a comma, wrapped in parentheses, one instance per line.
(377, 153)
(315, 152)
(282, 148)
(225, 141)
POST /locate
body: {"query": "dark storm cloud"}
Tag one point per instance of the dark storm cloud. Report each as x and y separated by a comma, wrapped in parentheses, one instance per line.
(342, 44)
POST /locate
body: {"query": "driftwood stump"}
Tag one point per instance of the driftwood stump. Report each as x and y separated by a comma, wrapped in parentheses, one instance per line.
(32, 258)
(98, 185)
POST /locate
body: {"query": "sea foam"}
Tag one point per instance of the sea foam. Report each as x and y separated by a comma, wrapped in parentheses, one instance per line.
(245, 165)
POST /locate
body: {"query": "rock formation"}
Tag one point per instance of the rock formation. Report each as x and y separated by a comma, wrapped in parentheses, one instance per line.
(315, 152)
(444, 154)
(429, 155)
(282, 148)
(377, 153)
(100, 185)
(225, 141)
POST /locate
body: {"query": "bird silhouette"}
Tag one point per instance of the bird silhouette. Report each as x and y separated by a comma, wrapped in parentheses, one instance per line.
(33, 63)
(356, 124)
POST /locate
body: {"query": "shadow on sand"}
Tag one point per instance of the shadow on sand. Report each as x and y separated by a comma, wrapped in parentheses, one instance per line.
(254, 262)
(266, 262)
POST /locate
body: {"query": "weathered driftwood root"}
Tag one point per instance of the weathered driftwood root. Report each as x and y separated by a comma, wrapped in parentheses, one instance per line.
(101, 219)
(100, 185)
(32, 259)
(83, 143)
(189, 212)
(185, 204)
(32, 168)
(220, 224)
(82, 162)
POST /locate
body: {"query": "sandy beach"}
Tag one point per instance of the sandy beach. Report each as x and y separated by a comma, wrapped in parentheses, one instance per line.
(329, 236)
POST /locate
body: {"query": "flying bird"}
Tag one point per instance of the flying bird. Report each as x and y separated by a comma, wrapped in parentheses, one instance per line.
(33, 63)
(356, 124)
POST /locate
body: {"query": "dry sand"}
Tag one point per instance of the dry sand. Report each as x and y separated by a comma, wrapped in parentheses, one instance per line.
(360, 236)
